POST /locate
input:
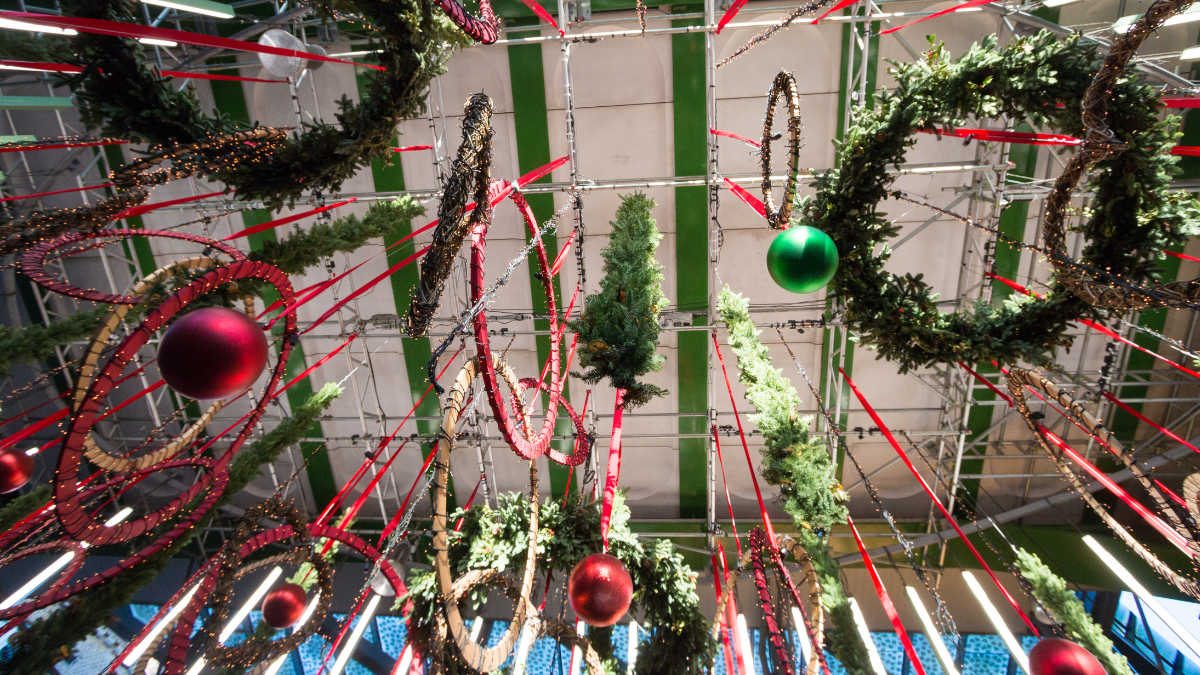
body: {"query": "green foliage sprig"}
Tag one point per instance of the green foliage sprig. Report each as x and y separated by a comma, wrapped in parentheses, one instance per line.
(841, 633)
(22, 506)
(619, 327)
(1051, 590)
(1135, 216)
(792, 459)
(118, 94)
(664, 586)
(35, 649)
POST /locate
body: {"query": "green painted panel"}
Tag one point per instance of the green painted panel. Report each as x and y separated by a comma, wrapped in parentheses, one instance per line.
(691, 260)
(36, 103)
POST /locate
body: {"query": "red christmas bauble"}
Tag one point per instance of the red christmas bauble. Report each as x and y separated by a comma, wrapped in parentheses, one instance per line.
(1053, 656)
(16, 468)
(600, 590)
(212, 353)
(284, 606)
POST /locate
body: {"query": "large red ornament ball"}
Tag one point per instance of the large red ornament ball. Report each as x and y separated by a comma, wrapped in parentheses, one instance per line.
(284, 606)
(212, 353)
(1054, 656)
(16, 468)
(600, 590)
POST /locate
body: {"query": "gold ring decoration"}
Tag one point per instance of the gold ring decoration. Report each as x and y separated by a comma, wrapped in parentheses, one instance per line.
(91, 357)
(469, 178)
(480, 658)
(1099, 143)
(785, 85)
(1019, 377)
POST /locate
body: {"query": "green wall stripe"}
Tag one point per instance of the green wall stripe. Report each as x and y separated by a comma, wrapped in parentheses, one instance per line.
(690, 113)
(530, 119)
(230, 100)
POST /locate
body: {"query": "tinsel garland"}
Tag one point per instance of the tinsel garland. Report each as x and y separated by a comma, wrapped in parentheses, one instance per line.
(35, 649)
(120, 95)
(1051, 591)
(618, 328)
(792, 459)
(1038, 79)
(664, 586)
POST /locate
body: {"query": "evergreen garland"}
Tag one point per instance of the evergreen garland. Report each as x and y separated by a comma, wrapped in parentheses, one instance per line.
(841, 633)
(1036, 79)
(664, 586)
(35, 649)
(1051, 591)
(36, 342)
(16, 510)
(618, 327)
(792, 459)
(118, 94)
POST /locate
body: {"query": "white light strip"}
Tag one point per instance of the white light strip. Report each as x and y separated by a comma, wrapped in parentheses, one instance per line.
(54, 567)
(361, 53)
(631, 654)
(1006, 635)
(158, 43)
(939, 647)
(1190, 54)
(743, 636)
(576, 654)
(476, 628)
(249, 605)
(405, 661)
(523, 650)
(152, 665)
(1144, 595)
(207, 9)
(33, 27)
(802, 630)
(152, 636)
(312, 606)
(356, 635)
(940, 169)
(197, 666)
(1057, 3)
(1188, 16)
(876, 662)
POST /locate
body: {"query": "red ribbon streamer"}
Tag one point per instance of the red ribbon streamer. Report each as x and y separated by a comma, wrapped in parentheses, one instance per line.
(1186, 150)
(133, 30)
(1180, 102)
(841, 5)
(57, 146)
(929, 491)
(751, 201)
(284, 221)
(1154, 521)
(762, 506)
(732, 12)
(614, 466)
(1170, 493)
(1167, 432)
(56, 192)
(545, 16)
(147, 208)
(562, 255)
(886, 601)
(1022, 137)
(471, 500)
(730, 134)
(989, 384)
(410, 148)
(1183, 255)
(34, 428)
(965, 5)
(366, 287)
(728, 501)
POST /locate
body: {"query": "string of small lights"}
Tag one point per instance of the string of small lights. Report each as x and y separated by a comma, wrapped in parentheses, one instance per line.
(783, 85)
(770, 31)
(1176, 344)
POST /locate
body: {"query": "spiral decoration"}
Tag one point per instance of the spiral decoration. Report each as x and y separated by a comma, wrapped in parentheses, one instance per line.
(785, 86)
(485, 29)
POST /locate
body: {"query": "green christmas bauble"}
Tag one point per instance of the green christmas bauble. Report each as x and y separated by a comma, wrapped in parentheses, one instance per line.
(802, 259)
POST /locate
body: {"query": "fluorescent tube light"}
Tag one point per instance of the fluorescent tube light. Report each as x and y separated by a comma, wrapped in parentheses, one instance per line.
(158, 43)
(876, 662)
(935, 639)
(631, 654)
(1190, 54)
(35, 28)
(356, 635)
(312, 606)
(1057, 3)
(802, 630)
(476, 628)
(523, 646)
(249, 605)
(1006, 635)
(1144, 595)
(205, 7)
(152, 636)
(576, 654)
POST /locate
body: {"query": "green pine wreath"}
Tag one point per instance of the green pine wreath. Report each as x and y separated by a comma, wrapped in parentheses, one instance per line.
(1134, 216)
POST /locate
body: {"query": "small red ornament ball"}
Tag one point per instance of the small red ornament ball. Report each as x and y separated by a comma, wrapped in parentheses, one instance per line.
(284, 606)
(16, 468)
(1054, 656)
(600, 590)
(212, 353)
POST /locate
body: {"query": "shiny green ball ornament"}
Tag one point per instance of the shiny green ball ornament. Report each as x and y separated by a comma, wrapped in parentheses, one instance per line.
(802, 259)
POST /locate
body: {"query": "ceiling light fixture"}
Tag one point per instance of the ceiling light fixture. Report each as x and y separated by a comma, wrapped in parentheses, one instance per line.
(205, 7)
(312, 606)
(352, 643)
(931, 633)
(157, 43)
(865, 634)
(1006, 635)
(802, 630)
(249, 604)
(1057, 3)
(1144, 595)
(152, 637)
(35, 28)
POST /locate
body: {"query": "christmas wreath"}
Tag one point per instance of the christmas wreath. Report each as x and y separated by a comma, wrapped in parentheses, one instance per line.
(1038, 79)
(497, 539)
